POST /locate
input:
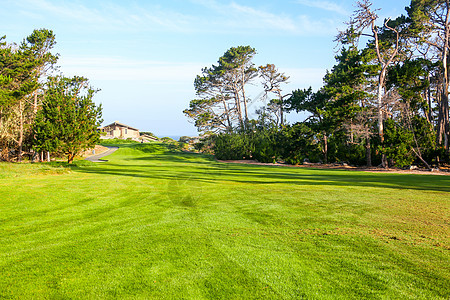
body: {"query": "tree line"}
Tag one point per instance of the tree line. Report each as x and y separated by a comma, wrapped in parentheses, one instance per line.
(42, 111)
(385, 101)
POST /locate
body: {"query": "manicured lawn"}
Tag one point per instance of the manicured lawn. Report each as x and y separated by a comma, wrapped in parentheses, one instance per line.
(151, 224)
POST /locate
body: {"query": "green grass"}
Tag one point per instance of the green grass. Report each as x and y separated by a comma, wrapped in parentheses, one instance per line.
(155, 224)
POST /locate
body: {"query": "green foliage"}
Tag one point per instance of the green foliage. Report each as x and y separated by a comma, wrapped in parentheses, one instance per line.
(425, 139)
(184, 139)
(403, 143)
(233, 146)
(203, 112)
(297, 143)
(397, 146)
(265, 147)
(290, 143)
(111, 142)
(147, 133)
(222, 102)
(341, 150)
(23, 69)
(167, 139)
(68, 121)
(410, 79)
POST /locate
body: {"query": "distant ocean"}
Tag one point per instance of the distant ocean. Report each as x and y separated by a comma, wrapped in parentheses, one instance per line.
(175, 137)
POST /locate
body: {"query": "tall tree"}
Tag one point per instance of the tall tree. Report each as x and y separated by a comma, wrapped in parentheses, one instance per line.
(16, 68)
(430, 26)
(223, 99)
(39, 45)
(238, 70)
(315, 104)
(386, 50)
(212, 111)
(23, 69)
(68, 121)
(348, 87)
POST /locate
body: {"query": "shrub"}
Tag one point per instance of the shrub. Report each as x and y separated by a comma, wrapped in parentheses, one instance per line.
(232, 146)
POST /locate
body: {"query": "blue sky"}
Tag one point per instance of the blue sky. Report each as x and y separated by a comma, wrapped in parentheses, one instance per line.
(144, 55)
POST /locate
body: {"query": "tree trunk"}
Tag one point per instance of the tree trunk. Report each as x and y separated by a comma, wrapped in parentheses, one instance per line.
(20, 141)
(325, 148)
(281, 114)
(380, 114)
(237, 101)
(246, 113)
(35, 103)
(384, 65)
(443, 117)
(225, 107)
(445, 121)
(244, 99)
(48, 156)
(429, 113)
(368, 153)
(442, 131)
(34, 156)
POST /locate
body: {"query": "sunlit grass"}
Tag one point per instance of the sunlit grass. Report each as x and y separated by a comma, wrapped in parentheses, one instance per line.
(155, 224)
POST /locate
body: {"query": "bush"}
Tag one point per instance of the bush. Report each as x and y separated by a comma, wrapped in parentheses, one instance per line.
(296, 143)
(291, 143)
(397, 144)
(232, 146)
(109, 142)
(184, 139)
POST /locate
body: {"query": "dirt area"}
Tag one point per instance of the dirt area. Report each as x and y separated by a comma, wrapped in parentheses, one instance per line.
(98, 150)
(443, 171)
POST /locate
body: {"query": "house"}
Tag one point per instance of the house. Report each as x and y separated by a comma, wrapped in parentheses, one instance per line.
(119, 130)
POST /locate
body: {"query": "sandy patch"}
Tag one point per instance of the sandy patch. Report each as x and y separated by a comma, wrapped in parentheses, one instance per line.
(98, 150)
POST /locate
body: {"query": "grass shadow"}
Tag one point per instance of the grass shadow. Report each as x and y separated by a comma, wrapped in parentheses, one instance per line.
(203, 171)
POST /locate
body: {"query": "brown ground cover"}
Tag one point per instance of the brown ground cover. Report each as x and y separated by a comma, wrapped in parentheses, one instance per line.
(442, 171)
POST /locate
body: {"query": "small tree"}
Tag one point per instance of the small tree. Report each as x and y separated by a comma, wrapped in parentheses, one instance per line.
(68, 121)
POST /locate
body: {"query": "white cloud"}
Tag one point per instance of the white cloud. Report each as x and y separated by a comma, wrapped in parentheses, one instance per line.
(325, 5)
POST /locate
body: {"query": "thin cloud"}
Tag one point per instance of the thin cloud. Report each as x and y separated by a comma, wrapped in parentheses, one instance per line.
(230, 18)
(237, 16)
(325, 5)
(67, 10)
(111, 16)
(263, 19)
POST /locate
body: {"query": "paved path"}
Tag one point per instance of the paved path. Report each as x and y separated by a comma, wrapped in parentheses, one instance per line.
(96, 158)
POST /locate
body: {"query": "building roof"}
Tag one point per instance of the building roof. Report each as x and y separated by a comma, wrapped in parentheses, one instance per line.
(121, 124)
